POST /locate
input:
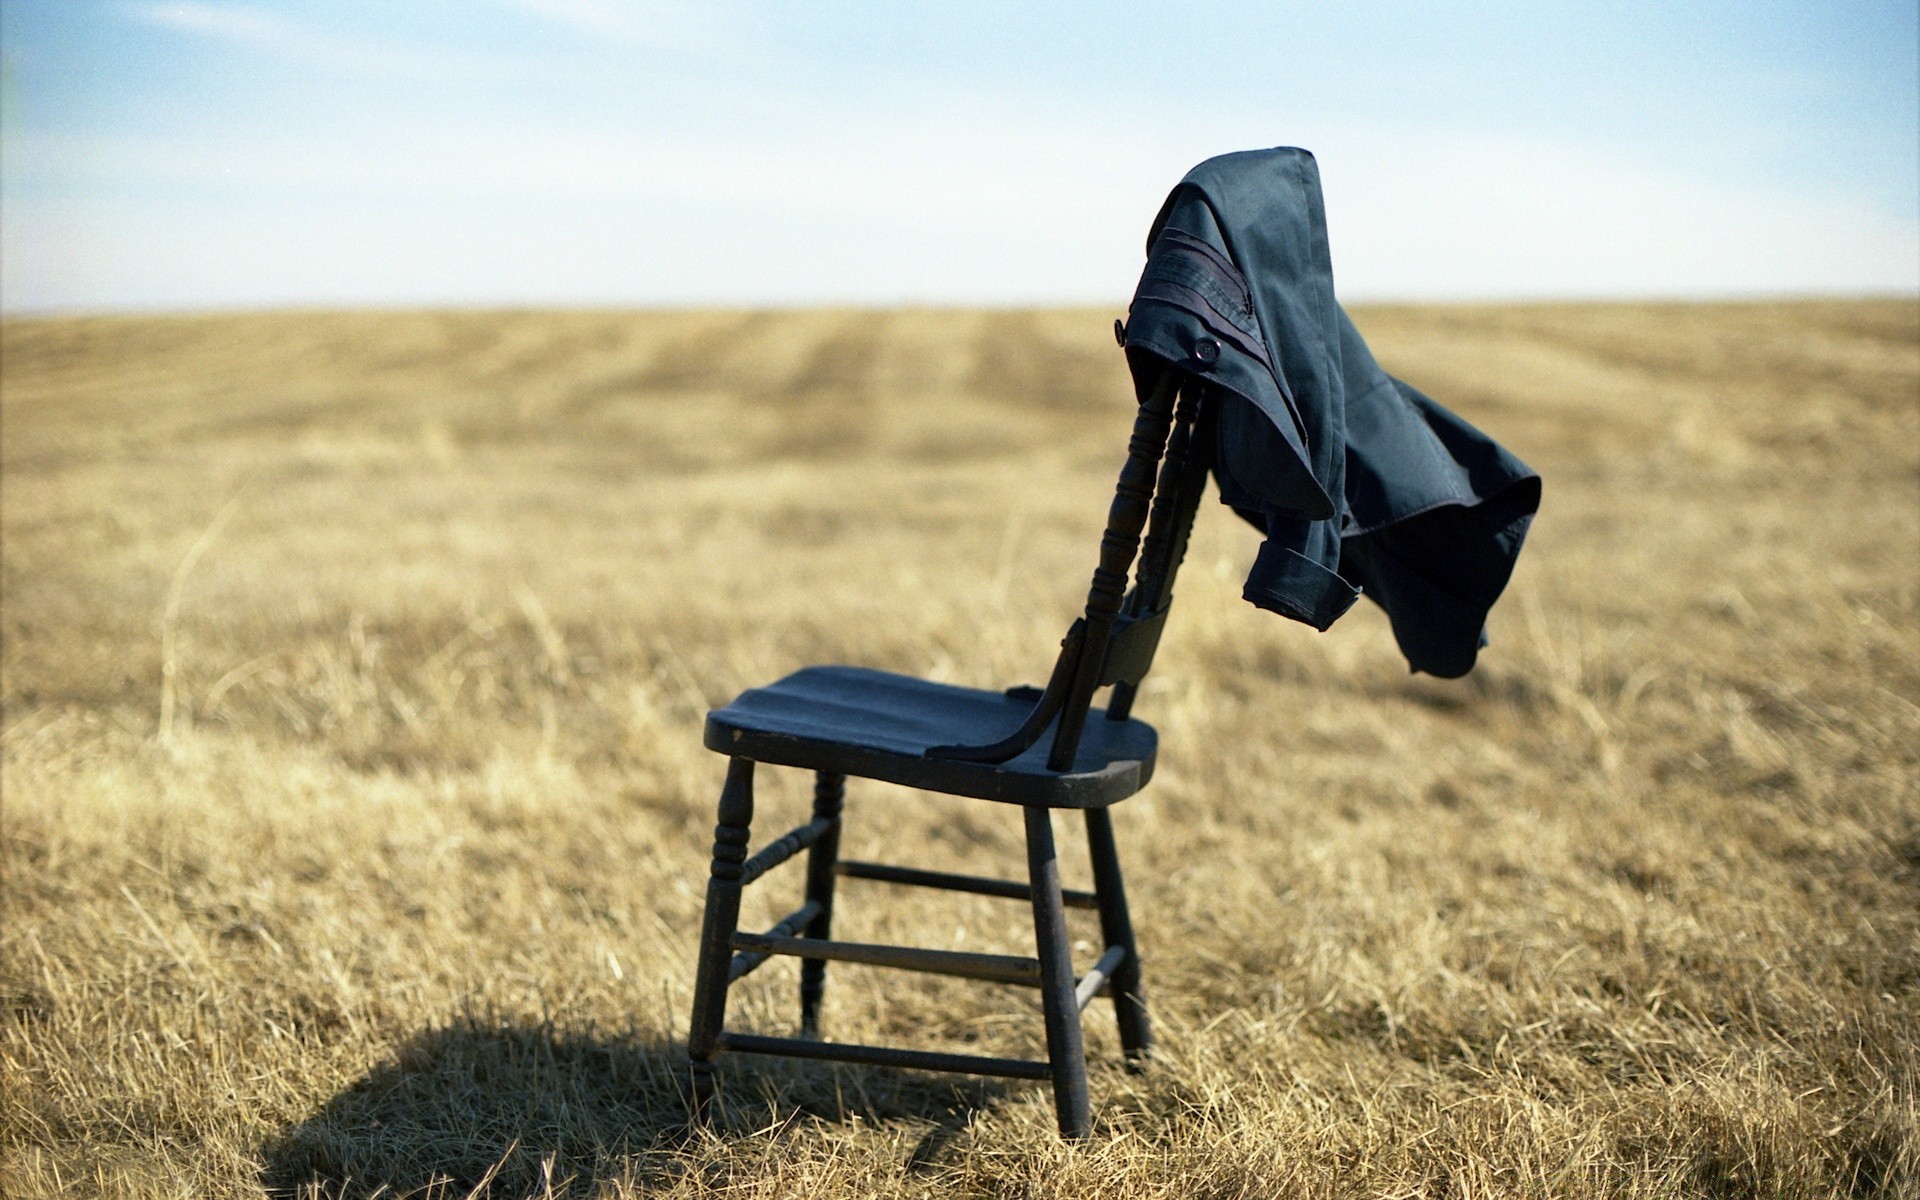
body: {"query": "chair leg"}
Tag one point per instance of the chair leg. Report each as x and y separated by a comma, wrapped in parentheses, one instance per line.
(717, 930)
(829, 794)
(1116, 929)
(1065, 1051)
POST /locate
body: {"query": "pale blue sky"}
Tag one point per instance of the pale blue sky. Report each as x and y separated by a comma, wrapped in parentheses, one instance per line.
(218, 154)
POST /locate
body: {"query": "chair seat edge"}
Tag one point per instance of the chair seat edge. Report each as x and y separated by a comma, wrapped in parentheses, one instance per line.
(1080, 789)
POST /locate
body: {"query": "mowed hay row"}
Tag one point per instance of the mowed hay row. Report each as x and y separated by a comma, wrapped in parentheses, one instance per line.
(356, 818)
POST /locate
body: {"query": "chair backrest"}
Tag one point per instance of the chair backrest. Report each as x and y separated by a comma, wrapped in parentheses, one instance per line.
(1176, 500)
(1159, 492)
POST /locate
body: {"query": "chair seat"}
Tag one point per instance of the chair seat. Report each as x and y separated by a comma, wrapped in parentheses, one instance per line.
(877, 725)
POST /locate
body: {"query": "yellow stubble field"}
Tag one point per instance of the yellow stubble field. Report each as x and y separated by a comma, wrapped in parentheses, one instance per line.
(356, 817)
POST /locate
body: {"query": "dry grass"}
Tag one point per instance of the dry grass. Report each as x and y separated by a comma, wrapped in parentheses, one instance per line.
(356, 813)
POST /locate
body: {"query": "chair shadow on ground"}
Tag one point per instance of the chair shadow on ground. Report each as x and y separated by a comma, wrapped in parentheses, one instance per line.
(500, 1109)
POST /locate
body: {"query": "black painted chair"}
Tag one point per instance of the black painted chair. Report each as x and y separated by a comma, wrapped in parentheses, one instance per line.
(841, 721)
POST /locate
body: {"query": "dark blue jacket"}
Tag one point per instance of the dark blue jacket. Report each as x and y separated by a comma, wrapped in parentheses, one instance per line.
(1359, 482)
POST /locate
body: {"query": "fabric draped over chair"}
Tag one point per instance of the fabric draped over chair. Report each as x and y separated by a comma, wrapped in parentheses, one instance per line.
(1360, 482)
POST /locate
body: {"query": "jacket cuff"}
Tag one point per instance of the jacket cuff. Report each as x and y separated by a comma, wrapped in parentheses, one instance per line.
(1293, 585)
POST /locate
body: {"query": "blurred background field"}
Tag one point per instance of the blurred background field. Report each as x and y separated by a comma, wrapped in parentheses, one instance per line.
(355, 814)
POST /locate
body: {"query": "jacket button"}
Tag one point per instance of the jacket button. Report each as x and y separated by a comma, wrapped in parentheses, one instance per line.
(1119, 331)
(1206, 351)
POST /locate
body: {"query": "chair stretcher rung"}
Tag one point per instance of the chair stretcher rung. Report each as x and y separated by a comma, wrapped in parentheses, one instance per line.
(1095, 980)
(956, 883)
(886, 1056)
(777, 852)
(995, 968)
(746, 962)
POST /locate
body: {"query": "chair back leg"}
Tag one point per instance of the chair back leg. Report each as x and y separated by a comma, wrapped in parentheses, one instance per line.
(716, 933)
(829, 795)
(1066, 1054)
(1116, 929)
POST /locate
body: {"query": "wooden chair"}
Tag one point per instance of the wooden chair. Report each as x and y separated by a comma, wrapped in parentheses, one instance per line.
(841, 721)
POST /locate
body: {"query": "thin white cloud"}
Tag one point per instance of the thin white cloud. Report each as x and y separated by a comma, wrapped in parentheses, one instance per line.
(607, 17)
(263, 30)
(889, 206)
(1420, 214)
(658, 26)
(767, 194)
(228, 24)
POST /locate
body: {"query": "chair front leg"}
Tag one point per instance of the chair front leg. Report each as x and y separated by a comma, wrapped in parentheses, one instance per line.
(1066, 1053)
(717, 929)
(829, 795)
